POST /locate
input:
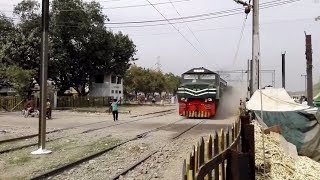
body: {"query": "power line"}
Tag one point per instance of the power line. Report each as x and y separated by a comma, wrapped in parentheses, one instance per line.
(239, 42)
(191, 32)
(235, 12)
(270, 3)
(187, 25)
(192, 20)
(174, 27)
(128, 6)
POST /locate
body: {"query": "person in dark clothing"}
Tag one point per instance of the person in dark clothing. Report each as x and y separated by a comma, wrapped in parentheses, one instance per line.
(114, 109)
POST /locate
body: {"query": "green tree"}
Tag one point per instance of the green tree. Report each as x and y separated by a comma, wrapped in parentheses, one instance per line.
(80, 46)
(18, 78)
(134, 80)
(138, 79)
(172, 82)
(85, 47)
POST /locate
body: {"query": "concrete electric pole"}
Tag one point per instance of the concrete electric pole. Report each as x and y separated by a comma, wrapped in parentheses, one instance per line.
(283, 55)
(309, 70)
(43, 79)
(255, 47)
(255, 74)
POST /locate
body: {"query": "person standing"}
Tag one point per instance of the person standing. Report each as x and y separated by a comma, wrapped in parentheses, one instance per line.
(49, 110)
(114, 108)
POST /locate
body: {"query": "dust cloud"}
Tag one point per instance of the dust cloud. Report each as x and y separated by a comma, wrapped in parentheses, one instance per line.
(230, 100)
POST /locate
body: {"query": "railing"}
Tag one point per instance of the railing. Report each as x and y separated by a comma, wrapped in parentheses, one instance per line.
(82, 101)
(228, 155)
(11, 103)
(15, 103)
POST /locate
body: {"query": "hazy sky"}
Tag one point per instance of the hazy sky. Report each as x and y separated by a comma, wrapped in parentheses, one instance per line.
(282, 29)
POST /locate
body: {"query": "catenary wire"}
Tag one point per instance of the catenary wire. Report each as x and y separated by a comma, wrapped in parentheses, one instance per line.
(174, 27)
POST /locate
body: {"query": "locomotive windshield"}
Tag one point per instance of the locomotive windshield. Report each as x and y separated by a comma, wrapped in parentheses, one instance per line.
(190, 76)
(199, 78)
(208, 76)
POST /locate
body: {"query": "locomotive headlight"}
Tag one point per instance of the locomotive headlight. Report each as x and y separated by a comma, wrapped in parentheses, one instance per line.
(209, 99)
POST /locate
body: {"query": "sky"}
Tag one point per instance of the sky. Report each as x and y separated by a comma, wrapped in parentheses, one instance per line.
(217, 43)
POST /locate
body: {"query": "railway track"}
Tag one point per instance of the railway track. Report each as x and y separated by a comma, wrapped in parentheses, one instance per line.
(131, 167)
(72, 127)
(65, 167)
(86, 131)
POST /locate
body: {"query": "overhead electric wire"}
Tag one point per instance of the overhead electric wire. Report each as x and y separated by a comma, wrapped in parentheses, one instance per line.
(128, 6)
(205, 51)
(174, 27)
(239, 42)
(236, 11)
(195, 20)
(187, 25)
(162, 24)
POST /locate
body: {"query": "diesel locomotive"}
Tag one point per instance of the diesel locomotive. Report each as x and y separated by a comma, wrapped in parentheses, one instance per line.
(199, 93)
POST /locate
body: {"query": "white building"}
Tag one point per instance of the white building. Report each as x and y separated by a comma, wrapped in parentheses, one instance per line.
(106, 85)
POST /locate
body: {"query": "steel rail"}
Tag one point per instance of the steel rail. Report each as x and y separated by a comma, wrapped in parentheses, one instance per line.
(67, 128)
(125, 171)
(86, 131)
(65, 167)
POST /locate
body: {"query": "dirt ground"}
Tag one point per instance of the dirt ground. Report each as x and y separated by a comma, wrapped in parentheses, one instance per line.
(73, 143)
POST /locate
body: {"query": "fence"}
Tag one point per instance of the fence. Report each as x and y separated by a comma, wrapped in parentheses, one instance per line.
(82, 101)
(13, 103)
(228, 155)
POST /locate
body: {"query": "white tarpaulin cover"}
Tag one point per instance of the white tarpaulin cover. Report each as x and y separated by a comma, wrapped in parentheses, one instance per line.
(274, 100)
(299, 123)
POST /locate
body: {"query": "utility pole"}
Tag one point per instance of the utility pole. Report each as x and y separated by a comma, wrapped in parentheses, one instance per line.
(309, 69)
(255, 47)
(255, 73)
(248, 78)
(43, 79)
(283, 70)
(305, 83)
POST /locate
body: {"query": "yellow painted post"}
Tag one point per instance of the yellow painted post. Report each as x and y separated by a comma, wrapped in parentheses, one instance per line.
(188, 165)
(196, 156)
(190, 175)
(208, 155)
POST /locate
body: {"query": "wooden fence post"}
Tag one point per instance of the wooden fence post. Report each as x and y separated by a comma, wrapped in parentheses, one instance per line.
(192, 160)
(216, 151)
(196, 156)
(239, 165)
(222, 148)
(201, 153)
(184, 170)
(208, 155)
(248, 136)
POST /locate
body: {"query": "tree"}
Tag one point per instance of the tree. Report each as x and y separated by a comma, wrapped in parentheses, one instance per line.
(148, 81)
(18, 78)
(86, 48)
(22, 47)
(134, 80)
(79, 44)
(172, 82)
